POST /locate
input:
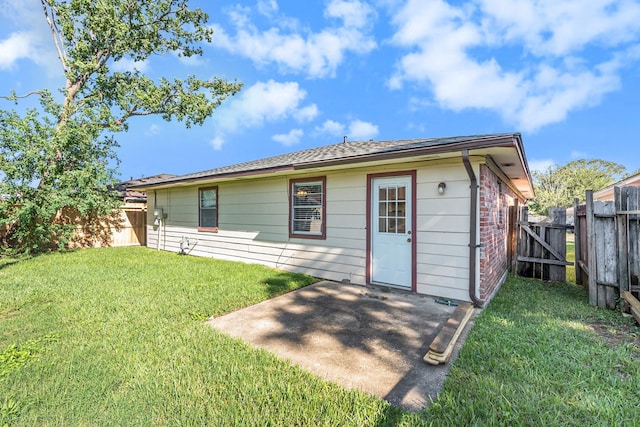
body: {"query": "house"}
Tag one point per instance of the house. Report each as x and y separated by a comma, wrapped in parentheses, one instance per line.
(606, 194)
(426, 215)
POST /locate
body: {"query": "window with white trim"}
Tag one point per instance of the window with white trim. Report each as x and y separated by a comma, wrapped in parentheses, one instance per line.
(307, 208)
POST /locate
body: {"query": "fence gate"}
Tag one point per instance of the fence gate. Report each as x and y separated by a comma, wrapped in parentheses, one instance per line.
(608, 246)
(542, 247)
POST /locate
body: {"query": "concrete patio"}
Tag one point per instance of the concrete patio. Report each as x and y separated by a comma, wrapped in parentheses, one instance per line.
(367, 338)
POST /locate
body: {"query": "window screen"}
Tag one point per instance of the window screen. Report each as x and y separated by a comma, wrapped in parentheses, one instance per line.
(208, 207)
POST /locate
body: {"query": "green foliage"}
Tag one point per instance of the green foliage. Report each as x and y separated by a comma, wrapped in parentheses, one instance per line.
(559, 185)
(55, 157)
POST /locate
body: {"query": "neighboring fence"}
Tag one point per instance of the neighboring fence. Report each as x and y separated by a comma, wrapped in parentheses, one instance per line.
(607, 246)
(542, 246)
(132, 230)
(126, 226)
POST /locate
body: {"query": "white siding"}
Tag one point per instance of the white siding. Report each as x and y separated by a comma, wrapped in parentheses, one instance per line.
(442, 228)
(254, 213)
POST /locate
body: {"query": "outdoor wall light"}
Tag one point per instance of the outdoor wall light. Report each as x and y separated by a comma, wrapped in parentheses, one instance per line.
(441, 187)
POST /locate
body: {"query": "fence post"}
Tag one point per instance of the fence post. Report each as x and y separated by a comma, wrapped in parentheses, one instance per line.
(558, 240)
(523, 268)
(593, 284)
(577, 243)
(623, 254)
(513, 237)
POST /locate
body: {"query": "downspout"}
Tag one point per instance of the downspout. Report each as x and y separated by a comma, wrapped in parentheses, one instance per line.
(155, 203)
(473, 222)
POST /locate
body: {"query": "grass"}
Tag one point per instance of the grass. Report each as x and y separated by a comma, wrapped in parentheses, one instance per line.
(116, 337)
(540, 355)
(571, 257)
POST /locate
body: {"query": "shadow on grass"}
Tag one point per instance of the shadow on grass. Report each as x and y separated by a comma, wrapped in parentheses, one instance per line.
(8, 261)
(282, 283)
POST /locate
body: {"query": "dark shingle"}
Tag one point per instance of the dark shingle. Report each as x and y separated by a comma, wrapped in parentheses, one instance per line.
(342, 151)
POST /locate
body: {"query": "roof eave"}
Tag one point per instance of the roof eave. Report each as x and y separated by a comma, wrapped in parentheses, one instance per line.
(504, 140)
(208, 178)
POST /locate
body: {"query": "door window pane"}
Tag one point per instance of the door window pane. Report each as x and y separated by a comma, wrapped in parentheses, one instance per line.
(392, 209)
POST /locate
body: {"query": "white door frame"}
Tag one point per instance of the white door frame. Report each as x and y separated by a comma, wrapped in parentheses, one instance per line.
(406, 236)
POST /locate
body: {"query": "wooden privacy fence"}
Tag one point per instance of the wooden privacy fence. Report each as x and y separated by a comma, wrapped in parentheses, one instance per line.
(126, 226)
(542, 246)
(132, 230)
(607, 246)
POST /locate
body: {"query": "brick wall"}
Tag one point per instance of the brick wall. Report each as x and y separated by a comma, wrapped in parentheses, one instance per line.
(495, 199)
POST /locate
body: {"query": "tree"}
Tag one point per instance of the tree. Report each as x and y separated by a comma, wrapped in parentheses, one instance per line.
(559, 185)
(57, 155)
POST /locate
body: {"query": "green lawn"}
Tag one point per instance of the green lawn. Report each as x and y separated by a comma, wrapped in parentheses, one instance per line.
(116, 337)
(571, 257)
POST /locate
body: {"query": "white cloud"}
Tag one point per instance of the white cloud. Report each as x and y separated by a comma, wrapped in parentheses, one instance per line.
(267, 7)
(153, 130)
(453, 52)
(562, 27)
(355, 130)
(217, 142)
(189, 61)
(540, 165)
(332, 128)
(264, 102)
(360, 130)
(353, 13)
(127, 64)
(575, 155)
(17, 46)
(316, 54)
(33, 39)
(291, 138)
(306, 114)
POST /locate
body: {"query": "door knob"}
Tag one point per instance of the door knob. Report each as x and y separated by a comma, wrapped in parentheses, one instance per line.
(409, 240)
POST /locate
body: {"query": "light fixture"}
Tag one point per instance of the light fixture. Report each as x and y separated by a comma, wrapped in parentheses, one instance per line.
(301, 192)
(441, 187)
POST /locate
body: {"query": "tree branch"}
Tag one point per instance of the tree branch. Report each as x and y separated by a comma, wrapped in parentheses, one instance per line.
(55, 34)
(15, 97)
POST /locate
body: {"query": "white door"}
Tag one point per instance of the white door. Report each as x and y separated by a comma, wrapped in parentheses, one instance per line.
(391, 253)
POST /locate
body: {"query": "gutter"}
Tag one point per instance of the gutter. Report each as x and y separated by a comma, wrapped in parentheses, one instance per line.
(473, 222)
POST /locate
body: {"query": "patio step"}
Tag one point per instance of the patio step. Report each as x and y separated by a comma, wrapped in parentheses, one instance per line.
(633, 303)
(442, 345)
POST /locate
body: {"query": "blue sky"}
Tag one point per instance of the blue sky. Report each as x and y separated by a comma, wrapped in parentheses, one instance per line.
(566, 74)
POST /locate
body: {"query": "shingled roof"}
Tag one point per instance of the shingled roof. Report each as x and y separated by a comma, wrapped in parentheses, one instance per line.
(345, 153)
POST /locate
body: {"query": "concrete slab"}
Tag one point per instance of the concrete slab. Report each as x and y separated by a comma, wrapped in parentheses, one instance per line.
(368, 338)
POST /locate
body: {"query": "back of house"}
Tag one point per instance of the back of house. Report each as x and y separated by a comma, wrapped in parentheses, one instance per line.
(426, 215)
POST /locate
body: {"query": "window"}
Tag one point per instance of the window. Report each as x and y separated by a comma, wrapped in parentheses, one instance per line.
(208, 209)
(392, 209)
(307, 211)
